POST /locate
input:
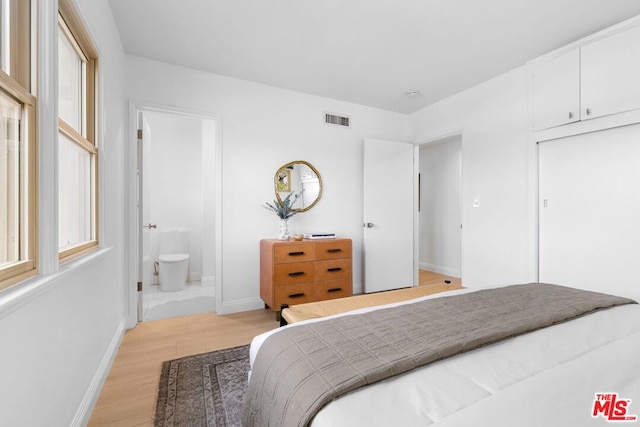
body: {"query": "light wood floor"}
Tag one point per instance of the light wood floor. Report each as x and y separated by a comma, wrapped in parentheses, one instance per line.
(427, 278)
(129, 394)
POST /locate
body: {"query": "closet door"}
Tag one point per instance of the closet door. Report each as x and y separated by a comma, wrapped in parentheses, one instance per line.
(589, 211)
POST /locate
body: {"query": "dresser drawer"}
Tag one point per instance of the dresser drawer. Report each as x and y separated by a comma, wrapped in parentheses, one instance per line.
(293, 294)
(332, 269)
(333, 289)
(293, 252)
(298, 272)
(333, 249)
(293, 272)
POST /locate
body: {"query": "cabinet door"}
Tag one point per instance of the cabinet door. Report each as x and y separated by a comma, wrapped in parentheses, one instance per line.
(611, 75)
(556, 91)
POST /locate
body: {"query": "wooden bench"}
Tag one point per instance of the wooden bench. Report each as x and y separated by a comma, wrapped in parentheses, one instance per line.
(313, 310)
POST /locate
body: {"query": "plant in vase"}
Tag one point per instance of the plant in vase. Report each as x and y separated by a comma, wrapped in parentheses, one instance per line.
(284, 211)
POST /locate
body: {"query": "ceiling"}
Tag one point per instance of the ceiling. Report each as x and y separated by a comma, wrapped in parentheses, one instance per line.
(369, 52)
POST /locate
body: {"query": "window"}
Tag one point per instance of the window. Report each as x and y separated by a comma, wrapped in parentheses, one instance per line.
(77, 150)
(15, 40)
(17, 146)
(5, 36)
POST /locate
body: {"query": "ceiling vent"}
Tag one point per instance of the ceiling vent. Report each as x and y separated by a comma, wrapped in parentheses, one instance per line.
(334, 119)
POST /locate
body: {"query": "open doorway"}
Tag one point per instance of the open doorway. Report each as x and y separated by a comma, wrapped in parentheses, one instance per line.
(173, 206)
(174, 213)
(440, 212)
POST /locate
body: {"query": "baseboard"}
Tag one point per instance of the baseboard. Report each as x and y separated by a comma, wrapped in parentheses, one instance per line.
(358, 288)
(83, 414)
(208, 281)
(440, 269)
(240, 305)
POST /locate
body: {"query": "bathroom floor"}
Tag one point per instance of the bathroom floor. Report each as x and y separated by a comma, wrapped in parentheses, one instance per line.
(196, 299)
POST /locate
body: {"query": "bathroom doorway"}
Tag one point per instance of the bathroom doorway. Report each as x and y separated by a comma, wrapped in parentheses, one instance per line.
(177, 192)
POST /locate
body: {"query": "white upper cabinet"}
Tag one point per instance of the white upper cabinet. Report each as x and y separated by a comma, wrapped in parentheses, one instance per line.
(610, 75)
(598, 79)
(556, 91)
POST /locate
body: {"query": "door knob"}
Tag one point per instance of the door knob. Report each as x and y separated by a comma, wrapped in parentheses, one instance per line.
(368, 224)
(150, 226)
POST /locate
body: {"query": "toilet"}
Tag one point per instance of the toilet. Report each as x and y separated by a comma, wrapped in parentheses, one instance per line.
(174, 260)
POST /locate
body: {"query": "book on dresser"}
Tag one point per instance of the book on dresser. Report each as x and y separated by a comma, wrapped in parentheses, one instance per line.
(315, 236)
(297, 272)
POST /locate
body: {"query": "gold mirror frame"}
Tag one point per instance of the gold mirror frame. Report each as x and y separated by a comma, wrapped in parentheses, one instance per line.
(282, 182)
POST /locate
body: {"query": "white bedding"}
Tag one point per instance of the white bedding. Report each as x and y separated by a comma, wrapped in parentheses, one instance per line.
(544, 378)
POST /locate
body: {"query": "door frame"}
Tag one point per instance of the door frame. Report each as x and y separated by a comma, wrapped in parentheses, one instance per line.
(456, 134)
(131, 210)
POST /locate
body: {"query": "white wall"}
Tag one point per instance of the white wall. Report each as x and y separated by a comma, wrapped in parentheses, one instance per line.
(498, 241)
(59, 330)
(440, 214)
(173, 169)
(263, 128)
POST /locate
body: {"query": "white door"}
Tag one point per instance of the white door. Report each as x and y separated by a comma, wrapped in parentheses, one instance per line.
(389, 208)
(589, 232)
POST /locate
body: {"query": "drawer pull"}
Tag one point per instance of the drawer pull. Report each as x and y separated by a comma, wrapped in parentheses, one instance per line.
(334, 269)
(296, 273)
(334, 290)
(298, 295)
(298, 253)
(331, 251)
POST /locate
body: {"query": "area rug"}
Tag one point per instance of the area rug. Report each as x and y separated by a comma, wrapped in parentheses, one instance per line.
(203, 390)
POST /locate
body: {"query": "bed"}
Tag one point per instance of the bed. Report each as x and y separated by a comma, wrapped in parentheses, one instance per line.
(567, 374)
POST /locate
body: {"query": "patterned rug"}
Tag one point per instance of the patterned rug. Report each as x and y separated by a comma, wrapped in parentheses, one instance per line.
(203, 390)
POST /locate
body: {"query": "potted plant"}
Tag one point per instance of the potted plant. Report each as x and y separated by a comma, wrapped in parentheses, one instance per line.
(284, 211)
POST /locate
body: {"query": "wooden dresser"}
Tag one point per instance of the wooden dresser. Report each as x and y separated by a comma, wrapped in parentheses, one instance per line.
(309, 270)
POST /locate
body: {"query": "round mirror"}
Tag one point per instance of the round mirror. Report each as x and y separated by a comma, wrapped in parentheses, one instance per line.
(300, 177)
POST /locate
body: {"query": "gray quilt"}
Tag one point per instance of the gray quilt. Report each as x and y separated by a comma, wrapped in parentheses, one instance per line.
(300, 369)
